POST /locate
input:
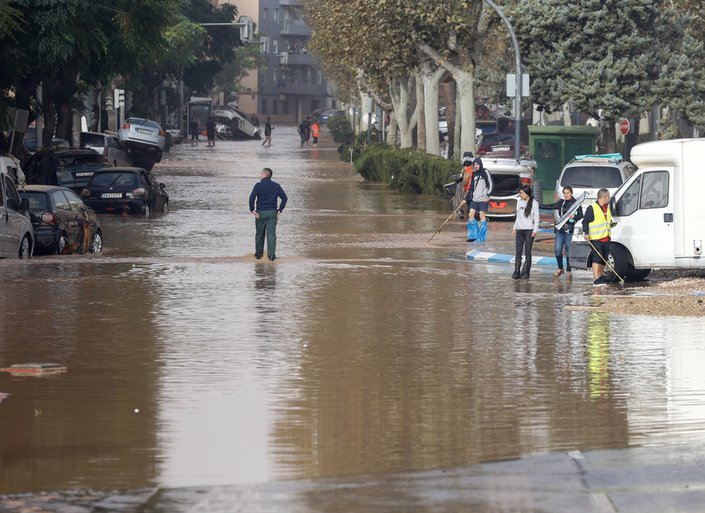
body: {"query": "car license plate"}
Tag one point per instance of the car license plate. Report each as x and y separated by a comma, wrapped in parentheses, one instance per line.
(144, 131)
(503, 147)
(83, 173)
(111, 195)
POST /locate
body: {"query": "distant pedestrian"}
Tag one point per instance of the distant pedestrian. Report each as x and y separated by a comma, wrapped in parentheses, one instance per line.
(565, 233)
(254, 120)
(478, 200)
(308, 129)
(315, 132)
(210, 132)
(526, 226)
(263, 205)
(597, 223)
(302, 132)
(268, 132)
(194, 127)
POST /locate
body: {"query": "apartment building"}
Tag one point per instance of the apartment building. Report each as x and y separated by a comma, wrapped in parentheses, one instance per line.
(291, 85)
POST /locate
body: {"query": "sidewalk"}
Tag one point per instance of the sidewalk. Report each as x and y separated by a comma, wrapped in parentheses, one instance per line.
(637, 480)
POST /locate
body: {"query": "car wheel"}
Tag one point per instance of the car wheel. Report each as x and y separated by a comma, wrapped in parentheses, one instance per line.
(61, 244)
(25, 248)
(618, 260)
(147, 212)
(165, 208)
(97, 242)
(637, 274)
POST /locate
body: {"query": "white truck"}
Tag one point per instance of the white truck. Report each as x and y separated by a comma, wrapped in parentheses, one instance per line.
(659, 212)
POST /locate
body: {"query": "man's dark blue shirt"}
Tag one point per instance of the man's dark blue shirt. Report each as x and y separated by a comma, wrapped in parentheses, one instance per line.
(266, 193)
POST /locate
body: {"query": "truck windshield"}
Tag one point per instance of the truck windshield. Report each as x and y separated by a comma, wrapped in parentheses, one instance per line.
(592, 176)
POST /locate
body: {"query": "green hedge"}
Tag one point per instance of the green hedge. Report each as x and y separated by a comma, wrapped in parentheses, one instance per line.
(341, 129)
(407, 170)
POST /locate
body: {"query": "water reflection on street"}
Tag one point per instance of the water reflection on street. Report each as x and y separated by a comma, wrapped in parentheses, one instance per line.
(361, 350)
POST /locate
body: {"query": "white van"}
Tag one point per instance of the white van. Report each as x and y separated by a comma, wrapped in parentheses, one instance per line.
(590, 173)
(659, 211)
(16, 233)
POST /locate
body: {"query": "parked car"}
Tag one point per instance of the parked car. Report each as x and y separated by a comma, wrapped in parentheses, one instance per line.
(500, 145)
(107, 145)
(325, 115)
(144, 140)
(67, 168)
(129, 190)
(590, 173)
(62, 222)
(508, 178)
(16, 233)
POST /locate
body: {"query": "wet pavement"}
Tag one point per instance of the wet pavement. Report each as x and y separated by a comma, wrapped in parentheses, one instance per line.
(364, 370)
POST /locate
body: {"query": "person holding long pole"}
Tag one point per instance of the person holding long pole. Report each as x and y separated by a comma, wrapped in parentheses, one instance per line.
(596, 227)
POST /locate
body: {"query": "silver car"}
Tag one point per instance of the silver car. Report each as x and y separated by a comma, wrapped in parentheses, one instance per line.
(16, 232)
(143, 136)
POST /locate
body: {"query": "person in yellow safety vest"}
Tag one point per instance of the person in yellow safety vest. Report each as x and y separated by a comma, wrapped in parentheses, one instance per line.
(596, 226)
(315, 132)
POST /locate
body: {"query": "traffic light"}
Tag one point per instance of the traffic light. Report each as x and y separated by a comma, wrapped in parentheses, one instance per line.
(108, 102)
(119, 98)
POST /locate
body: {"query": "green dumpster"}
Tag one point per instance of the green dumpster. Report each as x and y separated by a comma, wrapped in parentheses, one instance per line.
(553, 146)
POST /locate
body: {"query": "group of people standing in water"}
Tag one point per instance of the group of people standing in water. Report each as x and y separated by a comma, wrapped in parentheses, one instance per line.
(478, 186)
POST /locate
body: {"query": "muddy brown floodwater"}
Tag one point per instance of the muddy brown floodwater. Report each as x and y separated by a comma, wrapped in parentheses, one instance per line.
(361, 350)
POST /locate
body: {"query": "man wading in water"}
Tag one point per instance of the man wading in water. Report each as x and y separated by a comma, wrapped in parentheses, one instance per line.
(265, 193)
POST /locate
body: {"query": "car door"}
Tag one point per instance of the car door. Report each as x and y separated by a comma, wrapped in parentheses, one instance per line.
(12, 222)
(648, 201)
(66, 219)
(3, 218)
(153, 190)
(85, 224)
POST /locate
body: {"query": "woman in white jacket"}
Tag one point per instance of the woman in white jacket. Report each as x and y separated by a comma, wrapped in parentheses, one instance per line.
(526, 226)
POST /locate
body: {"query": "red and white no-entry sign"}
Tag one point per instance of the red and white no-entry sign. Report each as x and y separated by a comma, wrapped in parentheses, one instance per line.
(624, 126)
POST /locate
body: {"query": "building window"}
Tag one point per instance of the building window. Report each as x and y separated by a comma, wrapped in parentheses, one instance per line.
(275, 77)
(275, 46)
(319, 77)
(265, 13)
(264, 44)
(262, 78)
(308, 75)
(275, 17)
(275, 105)
(264, 106)
(285, 107)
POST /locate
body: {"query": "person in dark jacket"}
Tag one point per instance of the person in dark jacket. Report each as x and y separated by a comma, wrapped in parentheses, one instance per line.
(478, 200)
(565, 233)
(263, 205)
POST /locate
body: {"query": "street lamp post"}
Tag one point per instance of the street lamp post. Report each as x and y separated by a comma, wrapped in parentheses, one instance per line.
(517, 91)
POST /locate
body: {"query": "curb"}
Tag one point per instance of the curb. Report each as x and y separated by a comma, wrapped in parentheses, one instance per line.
(501, 258)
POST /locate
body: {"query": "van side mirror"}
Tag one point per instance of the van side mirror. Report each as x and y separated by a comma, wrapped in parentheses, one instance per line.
(613, 207)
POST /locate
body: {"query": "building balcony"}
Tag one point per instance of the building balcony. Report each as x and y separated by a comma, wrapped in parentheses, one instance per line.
(296, 59)
(296, 88)
(295, 28)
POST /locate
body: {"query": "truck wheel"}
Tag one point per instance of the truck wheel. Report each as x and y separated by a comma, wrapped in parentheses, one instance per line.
(618, 260)
(637, 274)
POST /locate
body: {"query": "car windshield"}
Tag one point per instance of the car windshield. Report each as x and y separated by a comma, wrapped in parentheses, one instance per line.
(592, 176)
(92, 140)
(125, 179)
(38, 201)
(79, 158)
(497, 139)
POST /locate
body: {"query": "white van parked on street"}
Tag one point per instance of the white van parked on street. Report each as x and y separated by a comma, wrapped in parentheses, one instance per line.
(16, 233)
(590, 173)
(107, 145)
(659, 212)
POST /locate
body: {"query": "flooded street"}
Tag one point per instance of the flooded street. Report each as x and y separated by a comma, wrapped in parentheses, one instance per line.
(361, 350)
